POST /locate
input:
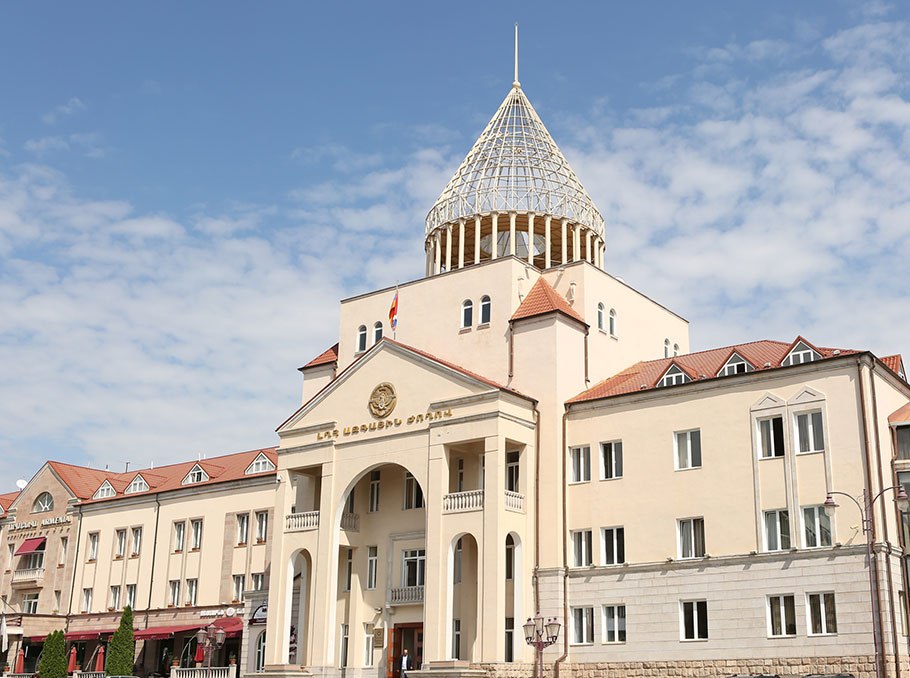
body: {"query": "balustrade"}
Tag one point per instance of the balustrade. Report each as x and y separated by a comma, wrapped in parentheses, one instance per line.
(300, 522)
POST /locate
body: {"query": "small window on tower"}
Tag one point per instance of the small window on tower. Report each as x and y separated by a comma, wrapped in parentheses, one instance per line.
(484, 310)
(467, 313)
(377, 332)
(362, 338)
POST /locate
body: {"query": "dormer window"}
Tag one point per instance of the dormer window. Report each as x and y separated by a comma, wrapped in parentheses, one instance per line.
(800, 354)
(196, 475)
(361, 338)
(736, 364)
(104, 491)
(260, 464)
(600, 317)
(673, 376)
(138, 485)
(377, 332)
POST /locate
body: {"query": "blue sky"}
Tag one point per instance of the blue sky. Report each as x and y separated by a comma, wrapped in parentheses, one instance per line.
(186, 190)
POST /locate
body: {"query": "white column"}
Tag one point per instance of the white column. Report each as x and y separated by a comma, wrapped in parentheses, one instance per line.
(494, 249)
(565, 251)
(546, 237)
(603, 255)
(576, 243)
(531, 238)
(461, 243)
(589, 255)
(437, 252)
(512, 217)
(477, 239)
(448, 248)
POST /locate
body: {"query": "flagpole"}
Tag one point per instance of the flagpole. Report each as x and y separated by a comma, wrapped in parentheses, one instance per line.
(395, 329)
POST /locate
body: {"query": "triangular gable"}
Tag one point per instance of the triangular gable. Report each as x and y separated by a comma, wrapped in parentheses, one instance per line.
(197, 469)
(806, 395)
(676, 368)
(104, 491)
(735, 358)
(140, 483)
(260, 460)
(543, 299)
(796, 347)
(767, 402)
(895, 363)
(47, 466)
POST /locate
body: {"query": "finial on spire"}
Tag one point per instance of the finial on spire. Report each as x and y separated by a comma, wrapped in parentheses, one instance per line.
(516, 83)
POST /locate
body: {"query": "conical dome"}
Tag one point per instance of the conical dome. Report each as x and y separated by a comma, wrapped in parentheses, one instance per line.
(515, 168)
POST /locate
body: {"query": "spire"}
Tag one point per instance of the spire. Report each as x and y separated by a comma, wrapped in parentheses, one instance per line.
(515, 83)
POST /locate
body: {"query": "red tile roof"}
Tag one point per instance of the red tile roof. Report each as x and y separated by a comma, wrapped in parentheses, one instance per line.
(7, 499)
(544, 299)
(900, 416)
(84, 482)
(895, 363)
(325, 358)
(643, 376)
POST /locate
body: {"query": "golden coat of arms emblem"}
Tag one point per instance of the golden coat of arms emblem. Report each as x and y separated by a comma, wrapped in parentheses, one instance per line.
(382, 400)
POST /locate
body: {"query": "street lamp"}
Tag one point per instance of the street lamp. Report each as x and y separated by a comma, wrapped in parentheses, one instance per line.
(867, 521)
(540, 633)
(209, 639)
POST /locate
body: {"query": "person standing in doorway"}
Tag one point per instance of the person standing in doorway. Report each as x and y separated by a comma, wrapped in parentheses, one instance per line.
(406, 663)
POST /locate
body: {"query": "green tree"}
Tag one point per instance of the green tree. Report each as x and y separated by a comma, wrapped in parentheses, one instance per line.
(122, 650)
(53, 656)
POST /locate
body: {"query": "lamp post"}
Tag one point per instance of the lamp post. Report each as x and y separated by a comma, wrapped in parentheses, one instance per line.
(868, 525)
(210, 639)
(540, 633)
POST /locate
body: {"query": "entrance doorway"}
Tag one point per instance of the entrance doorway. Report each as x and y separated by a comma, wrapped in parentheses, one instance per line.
(403, 636)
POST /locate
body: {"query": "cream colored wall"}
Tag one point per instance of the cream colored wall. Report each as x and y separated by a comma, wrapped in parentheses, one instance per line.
(315, 379)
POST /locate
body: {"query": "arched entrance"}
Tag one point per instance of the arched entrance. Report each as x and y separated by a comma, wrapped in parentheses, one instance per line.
(298, 610)
(463, 587)
(514, 640)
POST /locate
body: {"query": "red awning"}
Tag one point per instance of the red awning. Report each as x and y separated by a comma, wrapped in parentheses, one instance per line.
(29, 546)
(87, 635)
(233, 627)
(162, 632)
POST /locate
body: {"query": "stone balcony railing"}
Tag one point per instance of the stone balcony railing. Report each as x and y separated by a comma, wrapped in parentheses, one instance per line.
(301, 522)
(202, 672)
(460, 502)
(406, 595)
(350, 522)
(31, 575)
(515, 502)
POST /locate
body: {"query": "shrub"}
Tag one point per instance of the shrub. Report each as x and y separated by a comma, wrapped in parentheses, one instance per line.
(53, 656)
(122, 650)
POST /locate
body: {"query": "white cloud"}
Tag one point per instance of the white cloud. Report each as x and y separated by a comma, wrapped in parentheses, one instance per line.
(88, 143)
(71, 107)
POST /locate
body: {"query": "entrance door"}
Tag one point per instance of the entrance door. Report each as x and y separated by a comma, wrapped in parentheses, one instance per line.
(405, 636)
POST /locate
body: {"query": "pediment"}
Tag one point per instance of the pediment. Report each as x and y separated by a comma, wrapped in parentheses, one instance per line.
(806, 395)
(767, 402)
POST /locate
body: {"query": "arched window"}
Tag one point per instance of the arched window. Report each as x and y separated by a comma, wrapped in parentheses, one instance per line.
(260, 652)
(362, 338)
(467, 313)
(44, 502)
(484, 310)
(666, 348)
(675, 349)
(600, 316)
(612, 322)
(377, 332)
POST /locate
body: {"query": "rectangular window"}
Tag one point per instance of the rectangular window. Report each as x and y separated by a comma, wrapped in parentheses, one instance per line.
(688, 449)
(816, 527)
(582, 625)
(173, 598)
(120, 544)
(12, 554)
(93, 546)
(456, 577)
(581, 547)
(131, 595)
(30, 603)
(510, 639)
(581, 464)
(34, 561)
(57, 603)
(413, 495)
(691, 538)
(349, 506)
(459, 475)
(258, 581)
(902, 433)
(343, 660)
(86, 600)
(413, 567)
(512, 459)
(777, 530)
(367, 644)
(510, 558)
(694, 619)
(809, 432)
(614, 630)
(348, 570)
(614, 540)
(822, 617)
(191, 586)
(137, 541)
(243, 528)
(239, 585)
(781, 616)
(115, 598)
(179, 529)
(372, 566)
(64, 542)
(262, 526)
(771, 437)
(374, 491)
(196, 527)
(611, 460)
(456, 639)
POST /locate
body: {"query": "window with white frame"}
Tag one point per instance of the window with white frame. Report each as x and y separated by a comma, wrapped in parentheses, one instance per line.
(120, 543)
(138, 485)
(258, 581)
(777, 530)
(179, 532)
(93, 546)
(262, 526)
(601, 317)
(30, 603)
(260, 653)
(459, 475)
(196, 475)
(666, 348)
(374, 492)
(821, 613)
(413, 567)
(115, 598)
(694, 619)
(43, 503)
(688, 449)
(413, 495)
(781, 616)
(581, 547)
(196, 535)
(239, 586)
(673, 377)
(801, 353)
(614, 545)
(810, 434)
(467, 313)
(261, 464)
(343, 659)
(512, 465)
(361, 338)
(582, 625)
(691, 533)
(771, 437)
(484, 310)
(86, 600)
(34, 561)
(510, 639)
(816, 527)
(581, 464)
(131, 595)
(367, 644)
(612, 323)
(456, 639)
(104, 491)
(64, 543)
(459, 557)
(243, 528)
(348, 572)
(173, 598)
(611, 460)
(372, 566)
(349, 504)
(136, 541)
(614, 623)
(377, 331)
(735, 364)
(192, 586)
(675, 350)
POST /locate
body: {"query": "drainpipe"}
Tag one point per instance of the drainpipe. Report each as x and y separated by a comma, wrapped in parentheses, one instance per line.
(587, 380)
(565, 554)
(154, 557)
(536, 582)
(75, 564)
(873, 561)
(511, 350)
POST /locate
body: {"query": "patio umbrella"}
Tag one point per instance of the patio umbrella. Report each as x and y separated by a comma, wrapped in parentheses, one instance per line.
(200, 653)
(99, 661)
(72, 663)
(20, 661)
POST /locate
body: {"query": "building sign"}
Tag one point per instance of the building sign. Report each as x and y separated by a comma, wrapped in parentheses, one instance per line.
(260, 614)
(227, 612)
(383, 424)
(47, 522)
(383, 400)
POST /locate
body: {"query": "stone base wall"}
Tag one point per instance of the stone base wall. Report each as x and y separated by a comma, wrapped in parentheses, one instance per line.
(785, 667)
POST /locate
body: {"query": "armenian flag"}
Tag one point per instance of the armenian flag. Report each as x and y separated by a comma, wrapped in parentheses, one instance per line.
(393, 311)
